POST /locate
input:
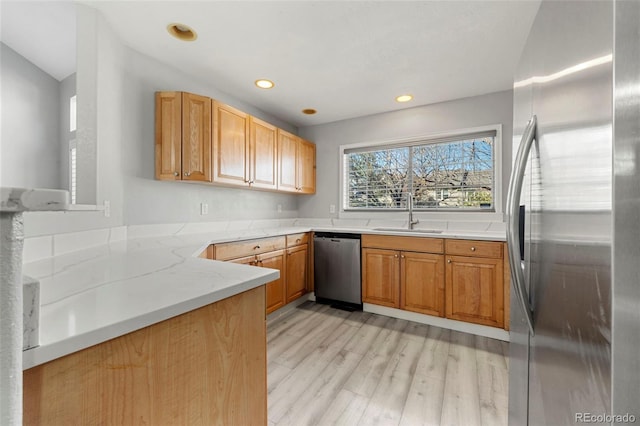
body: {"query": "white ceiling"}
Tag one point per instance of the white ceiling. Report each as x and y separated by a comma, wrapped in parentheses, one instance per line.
(343, 58)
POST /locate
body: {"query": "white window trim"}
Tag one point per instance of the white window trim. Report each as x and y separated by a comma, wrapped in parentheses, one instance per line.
(493, 216)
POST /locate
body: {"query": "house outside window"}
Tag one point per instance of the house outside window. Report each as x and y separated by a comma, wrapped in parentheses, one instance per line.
(456, 172)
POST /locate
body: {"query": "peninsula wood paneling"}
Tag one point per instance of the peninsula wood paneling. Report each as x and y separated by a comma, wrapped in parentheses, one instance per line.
(205, 367)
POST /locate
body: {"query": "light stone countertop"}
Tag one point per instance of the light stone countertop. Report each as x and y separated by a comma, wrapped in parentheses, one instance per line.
(99, 293)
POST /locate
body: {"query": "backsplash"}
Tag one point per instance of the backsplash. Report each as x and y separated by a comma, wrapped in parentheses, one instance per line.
(42, 247)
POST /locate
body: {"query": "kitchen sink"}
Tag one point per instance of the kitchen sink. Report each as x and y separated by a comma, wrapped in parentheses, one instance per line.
(419, 231)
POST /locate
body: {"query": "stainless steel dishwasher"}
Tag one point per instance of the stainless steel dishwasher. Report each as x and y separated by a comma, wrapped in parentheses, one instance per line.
(337, 269)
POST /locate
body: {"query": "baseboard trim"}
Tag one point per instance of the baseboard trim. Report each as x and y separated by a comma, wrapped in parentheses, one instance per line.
(465, 327)
(290, 306)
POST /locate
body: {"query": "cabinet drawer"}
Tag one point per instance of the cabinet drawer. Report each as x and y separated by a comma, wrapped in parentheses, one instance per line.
(297, 239)
(474, 248)
(419, 244)
(226, 251)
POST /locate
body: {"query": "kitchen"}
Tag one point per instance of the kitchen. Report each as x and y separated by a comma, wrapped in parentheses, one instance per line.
(119, 85)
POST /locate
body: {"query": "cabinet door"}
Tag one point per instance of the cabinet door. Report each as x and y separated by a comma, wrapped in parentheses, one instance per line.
(306, 167)
(263, 145)
(422, 283)
(381, 277)
(287, 161)
(168, 135)
(474, 290)
(196, 137)
(276, 295)
(296, 272)
(230, 145)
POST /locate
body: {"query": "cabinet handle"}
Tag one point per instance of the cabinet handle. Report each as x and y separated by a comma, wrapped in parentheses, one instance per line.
(176, 174)
(251, 181)
(256, 247)
(298, 240)
(448, 260)
(187, 173)
(395, 255)
(473, 249)
(402, 256)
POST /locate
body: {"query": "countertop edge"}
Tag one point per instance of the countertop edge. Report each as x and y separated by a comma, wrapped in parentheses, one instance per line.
(43, 354)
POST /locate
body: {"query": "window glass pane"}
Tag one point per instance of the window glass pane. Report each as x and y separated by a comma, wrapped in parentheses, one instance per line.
(72, 113)
(454, 175)
(377, 179)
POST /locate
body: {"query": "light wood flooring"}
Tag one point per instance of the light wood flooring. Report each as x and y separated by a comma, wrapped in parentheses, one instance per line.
(331, 367)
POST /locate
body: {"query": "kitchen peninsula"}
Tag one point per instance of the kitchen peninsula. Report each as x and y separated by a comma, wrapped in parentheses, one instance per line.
(145, 330)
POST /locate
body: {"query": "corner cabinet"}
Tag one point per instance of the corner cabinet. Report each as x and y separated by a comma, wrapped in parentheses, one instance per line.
(288, 254)
(296, 164)
(183, 137)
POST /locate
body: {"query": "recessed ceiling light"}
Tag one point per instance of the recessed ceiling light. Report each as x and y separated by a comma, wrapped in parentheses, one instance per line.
(264, 83)
(404, 98)
(182, 32)
(309, 111)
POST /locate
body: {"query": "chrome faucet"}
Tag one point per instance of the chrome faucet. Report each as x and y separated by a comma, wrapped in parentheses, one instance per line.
(410, 205)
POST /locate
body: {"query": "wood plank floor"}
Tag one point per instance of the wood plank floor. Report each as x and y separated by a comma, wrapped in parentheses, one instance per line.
(331, 367)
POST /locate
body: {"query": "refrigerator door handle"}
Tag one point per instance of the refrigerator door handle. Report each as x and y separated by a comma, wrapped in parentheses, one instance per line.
(513, 217)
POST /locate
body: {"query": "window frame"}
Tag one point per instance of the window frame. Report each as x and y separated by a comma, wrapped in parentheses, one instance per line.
(436, 214)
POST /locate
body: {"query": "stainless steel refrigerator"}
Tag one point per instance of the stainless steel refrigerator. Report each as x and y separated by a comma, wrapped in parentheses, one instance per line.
(573, 213)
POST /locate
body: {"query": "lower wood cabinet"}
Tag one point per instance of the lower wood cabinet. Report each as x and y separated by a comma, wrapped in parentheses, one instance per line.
(289, 254)
(297, 271)
(275, 290)
(475, 282)
(402, 279)
(381, 277)
(204, 367)
(458, 279)
(422, 286)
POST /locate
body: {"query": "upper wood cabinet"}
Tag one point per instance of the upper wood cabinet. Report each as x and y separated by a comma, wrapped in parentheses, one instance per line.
(183, 137)
(201, 139)
(230, 145)
(296, 164)
(263, 154)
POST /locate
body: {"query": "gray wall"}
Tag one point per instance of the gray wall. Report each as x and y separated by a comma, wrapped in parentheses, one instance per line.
(494, 108)
(30, 124)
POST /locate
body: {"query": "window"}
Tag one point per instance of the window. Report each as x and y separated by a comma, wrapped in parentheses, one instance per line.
(72, 113)
(73, 174)
(445, 173)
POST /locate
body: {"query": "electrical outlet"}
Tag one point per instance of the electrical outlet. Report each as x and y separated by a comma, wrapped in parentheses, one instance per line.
(204, 209)
(107, 208)
(279, 208)
(332, 208)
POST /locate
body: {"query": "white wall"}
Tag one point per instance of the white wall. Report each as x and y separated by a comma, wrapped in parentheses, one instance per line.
(494, 108)
(116, 109)
(30, 124)
(151, 201)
